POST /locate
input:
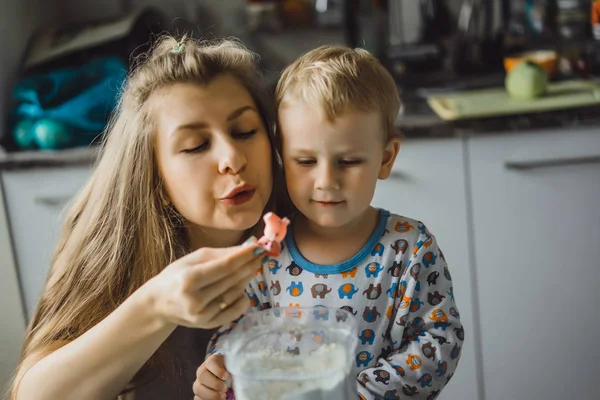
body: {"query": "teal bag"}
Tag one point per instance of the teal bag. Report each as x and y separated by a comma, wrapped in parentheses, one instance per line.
(68, 107)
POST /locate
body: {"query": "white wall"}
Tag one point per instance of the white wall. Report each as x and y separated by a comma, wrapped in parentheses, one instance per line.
(18, 21)
(84, 10)
(220, 13)
(12, 317)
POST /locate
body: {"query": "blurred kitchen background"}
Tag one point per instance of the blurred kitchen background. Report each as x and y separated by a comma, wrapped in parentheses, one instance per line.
(510, 187)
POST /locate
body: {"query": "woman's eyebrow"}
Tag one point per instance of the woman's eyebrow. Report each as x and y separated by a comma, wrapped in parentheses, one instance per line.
(196, 126)
(235, 114)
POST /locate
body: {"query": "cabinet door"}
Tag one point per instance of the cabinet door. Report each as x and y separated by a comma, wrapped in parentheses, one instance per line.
(428, 184)
(34, 201)
(536, 216)
(12, 317)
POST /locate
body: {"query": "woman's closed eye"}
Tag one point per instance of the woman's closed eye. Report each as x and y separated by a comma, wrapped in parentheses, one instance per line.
(204, 146)
(196, 149)
(306, 161)
(244, 135)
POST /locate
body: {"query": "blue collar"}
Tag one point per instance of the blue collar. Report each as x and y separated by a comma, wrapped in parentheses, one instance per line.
(340, 267)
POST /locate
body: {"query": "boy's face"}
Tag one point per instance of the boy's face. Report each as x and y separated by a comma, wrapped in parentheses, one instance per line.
(331, 168)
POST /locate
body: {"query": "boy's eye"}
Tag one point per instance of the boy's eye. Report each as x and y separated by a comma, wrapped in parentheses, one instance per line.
(196, 149)
(350, 162)
(306, 161)
(245, 135)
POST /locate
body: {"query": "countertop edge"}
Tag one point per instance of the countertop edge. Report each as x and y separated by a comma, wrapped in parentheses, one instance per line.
(408, 130)
(48, 158)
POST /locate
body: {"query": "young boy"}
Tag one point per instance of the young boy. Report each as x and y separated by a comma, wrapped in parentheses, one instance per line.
(336, 112)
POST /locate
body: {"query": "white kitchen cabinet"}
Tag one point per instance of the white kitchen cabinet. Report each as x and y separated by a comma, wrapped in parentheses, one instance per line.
(428, 184)
(536, 218)
(12, 316)
(34, 201)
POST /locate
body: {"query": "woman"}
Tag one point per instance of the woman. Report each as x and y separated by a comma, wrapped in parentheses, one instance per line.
(150, 248)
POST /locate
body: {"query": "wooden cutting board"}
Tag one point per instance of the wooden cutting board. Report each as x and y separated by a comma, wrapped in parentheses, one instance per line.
(495, 102)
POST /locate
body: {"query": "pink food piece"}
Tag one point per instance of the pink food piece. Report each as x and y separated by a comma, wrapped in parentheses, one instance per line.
(272, 249)
(274, 233)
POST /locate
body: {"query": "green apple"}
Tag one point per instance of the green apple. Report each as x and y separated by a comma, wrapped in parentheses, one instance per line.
(526, 81)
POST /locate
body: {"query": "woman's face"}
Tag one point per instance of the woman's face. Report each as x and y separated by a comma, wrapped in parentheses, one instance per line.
(214, 157)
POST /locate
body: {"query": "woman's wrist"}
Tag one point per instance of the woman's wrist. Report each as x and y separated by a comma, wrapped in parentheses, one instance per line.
(146, 302)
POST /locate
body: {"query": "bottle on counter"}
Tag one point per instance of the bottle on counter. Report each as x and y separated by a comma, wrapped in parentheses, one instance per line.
(571, 19)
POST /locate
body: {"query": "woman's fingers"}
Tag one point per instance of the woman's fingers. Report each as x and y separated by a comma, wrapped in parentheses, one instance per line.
(223, 264)
(205, 289)
(225, 307)
(228, 289)
(204, 254)
(216, 316)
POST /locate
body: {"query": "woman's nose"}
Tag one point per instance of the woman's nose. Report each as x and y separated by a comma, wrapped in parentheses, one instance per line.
(232, 159)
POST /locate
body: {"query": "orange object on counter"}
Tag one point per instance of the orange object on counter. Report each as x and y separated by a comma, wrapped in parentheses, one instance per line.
(297, 12)
(546, 59)
(596, 19)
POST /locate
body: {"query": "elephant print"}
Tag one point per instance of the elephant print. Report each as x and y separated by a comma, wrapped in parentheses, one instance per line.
(319, 290)
(363, 359)
(275, 288)
(373, 291)
(373, 269)
(347, 290)
(274, 266)
(295, 289)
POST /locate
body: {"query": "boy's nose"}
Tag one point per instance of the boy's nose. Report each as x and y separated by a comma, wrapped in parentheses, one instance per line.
(327, 178)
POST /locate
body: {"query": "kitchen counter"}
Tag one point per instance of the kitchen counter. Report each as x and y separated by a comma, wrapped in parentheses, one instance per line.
(58, 158)
(418, 121)
(427, 124)
(415, 125)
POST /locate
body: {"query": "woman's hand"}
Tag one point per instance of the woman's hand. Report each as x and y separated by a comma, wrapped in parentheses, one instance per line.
(211, 379)
(205, 289)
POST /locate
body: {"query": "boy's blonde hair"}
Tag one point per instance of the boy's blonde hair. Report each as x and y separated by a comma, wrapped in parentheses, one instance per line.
(119, 233)
(338, 77)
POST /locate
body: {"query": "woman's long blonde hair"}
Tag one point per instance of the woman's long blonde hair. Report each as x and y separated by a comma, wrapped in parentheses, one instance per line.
(118, 233)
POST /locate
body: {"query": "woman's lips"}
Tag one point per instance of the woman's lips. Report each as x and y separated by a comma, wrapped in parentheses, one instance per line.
(239, 198)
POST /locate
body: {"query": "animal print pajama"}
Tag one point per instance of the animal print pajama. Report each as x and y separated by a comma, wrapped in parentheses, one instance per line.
(399, 289)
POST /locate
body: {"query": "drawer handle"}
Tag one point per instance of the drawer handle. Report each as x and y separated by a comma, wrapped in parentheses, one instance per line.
(550, 162)
(52, 201)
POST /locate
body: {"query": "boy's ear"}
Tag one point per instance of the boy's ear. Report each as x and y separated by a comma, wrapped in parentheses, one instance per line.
(391, 150)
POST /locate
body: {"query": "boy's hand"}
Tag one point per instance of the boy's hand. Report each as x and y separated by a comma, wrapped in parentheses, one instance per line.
(211, 379)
